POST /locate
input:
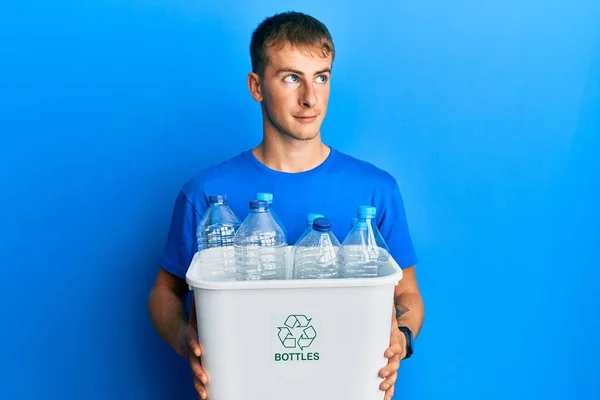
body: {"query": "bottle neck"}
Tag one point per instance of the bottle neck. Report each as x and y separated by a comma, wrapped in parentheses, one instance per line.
(363, 224)
(259, 210)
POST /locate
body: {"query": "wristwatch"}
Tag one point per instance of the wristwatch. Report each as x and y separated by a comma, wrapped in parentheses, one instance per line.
(409, 340)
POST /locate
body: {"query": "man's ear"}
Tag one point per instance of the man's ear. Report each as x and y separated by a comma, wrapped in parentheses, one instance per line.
(254, 86)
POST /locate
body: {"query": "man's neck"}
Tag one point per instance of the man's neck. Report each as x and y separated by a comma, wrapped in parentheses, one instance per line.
(291, 155)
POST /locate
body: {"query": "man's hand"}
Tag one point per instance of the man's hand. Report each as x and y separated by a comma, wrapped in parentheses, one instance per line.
(192, 351)
(394, 354)
(166, 305)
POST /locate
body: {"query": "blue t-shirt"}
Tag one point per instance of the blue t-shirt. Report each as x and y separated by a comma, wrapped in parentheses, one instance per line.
(335, 189)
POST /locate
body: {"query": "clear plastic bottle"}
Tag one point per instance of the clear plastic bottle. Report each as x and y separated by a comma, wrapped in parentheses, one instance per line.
(268, 197)
(365, 250)
(217, 230)
(319, 255)
(260, 246)
(309, 225)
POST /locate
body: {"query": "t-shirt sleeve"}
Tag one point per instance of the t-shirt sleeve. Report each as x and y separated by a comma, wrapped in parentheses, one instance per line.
(180, 246)
(394, 228)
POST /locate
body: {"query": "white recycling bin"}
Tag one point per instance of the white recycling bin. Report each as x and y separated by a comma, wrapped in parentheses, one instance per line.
(293, 339)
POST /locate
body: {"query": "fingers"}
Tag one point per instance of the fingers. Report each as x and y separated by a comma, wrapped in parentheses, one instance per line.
(389, 369)
(390, 373)
(389, 394)
(194, 346)
(198, 371)
(394, 350)
(389, 382)
(191, 334)
(194, 354)
(200, 389)
(200, 377)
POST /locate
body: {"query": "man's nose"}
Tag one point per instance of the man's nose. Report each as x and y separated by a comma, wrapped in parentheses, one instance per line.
(309, 98)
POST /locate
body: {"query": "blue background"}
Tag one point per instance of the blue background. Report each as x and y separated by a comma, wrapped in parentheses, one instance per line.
(486, 112)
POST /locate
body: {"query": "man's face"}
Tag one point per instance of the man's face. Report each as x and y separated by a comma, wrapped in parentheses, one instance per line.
(295, 90)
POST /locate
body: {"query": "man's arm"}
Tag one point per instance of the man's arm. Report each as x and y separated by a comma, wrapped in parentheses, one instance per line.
(408, 311)
(166, 305)
(408, 305)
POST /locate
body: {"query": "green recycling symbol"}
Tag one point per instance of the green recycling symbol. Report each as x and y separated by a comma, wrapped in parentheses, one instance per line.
(296, 332)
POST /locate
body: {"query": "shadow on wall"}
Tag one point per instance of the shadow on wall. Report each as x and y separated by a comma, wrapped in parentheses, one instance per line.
(209, 132)
(216, 132)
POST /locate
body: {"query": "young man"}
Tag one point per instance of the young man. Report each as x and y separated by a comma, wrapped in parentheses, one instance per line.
(292, 55)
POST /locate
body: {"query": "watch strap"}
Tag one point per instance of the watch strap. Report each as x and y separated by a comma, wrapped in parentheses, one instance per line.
(409, 340)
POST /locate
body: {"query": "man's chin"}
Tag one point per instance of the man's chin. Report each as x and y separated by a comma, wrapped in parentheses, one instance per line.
(303, 136)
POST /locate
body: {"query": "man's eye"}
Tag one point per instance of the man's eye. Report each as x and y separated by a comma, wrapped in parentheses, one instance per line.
(321, 79)
(291, 78)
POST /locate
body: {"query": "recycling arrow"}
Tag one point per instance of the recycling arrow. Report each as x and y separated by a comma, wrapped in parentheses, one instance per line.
(308, 335)
(297, 332)
(297, 321)
(286, 337)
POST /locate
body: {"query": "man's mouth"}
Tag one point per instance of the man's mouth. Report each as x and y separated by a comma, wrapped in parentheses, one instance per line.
(308, 118)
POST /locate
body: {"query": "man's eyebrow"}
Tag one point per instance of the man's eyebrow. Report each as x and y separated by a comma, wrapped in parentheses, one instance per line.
(295, 71)
(323, 71)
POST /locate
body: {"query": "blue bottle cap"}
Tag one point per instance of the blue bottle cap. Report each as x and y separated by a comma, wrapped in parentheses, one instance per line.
(313, 216)
(268, 197)
(322, 225)
(259, 205)
(367, 212)
(217, 198)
